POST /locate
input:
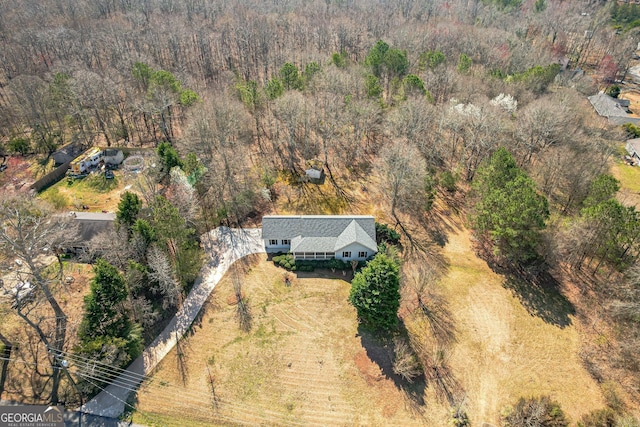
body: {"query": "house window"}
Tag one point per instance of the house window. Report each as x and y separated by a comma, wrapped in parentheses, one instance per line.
(273, 242)
(346, 254)
(362, 254)
(286, 242)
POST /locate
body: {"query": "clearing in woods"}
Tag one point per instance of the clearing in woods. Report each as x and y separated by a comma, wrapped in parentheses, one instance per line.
(511, 343)
(95, 192)
(305, 362)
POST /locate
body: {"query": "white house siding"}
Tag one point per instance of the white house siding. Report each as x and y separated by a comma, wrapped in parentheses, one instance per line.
(276, 248)
(355, 249)
(633, 148)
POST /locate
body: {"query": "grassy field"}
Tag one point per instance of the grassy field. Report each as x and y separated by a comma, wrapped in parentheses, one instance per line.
(303, 363)
(306, 363)
(629, 177)
(505, 348)
(94, 191)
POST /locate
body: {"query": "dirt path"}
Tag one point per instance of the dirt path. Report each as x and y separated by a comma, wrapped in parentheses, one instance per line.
(504, 352)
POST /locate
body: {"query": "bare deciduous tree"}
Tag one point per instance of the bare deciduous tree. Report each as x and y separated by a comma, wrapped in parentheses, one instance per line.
(402, 171)
(161, 272)
(28, 233)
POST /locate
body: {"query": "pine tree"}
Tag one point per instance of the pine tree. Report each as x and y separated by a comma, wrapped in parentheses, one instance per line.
(375, 292)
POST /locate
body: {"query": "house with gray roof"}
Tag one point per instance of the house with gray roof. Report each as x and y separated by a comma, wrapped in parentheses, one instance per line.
(633, 148)
(90, 224)
(615, 110)
(318, 237)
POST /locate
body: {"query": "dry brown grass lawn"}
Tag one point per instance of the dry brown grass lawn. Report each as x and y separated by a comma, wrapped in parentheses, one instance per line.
(303, 363)
(504, 352)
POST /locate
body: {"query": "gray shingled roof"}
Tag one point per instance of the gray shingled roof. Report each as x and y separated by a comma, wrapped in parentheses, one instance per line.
(321, 233)
(607, 106)
(635, 144)
(619, 120)
(93, 223)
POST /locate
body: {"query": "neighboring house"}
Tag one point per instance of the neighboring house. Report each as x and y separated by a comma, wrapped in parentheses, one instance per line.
(615, 110)
(633, 148)
(111, 156)
(90, 224)
(345, 237)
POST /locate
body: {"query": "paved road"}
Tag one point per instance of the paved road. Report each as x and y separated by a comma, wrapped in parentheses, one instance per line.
(223, 246)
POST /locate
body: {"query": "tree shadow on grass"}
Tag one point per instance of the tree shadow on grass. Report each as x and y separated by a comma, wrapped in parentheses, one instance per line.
(380, 350)
(539, 292)
(435, 309)
(445, 384)
(534, 285)
(183, 348)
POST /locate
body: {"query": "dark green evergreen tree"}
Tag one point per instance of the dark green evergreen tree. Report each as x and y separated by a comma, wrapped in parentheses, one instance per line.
(128, 208)
(106, 330)
(508, 211)
(168, 156)
(375, 293)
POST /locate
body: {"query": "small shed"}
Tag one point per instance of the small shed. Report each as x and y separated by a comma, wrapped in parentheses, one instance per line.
(67, 153)
(633, 148)
(112, 156)
(314, 173)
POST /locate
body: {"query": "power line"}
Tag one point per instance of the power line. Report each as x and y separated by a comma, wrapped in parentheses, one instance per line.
(194, 397)
(133, 381)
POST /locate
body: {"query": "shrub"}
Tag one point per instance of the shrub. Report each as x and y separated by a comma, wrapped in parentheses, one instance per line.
(285, 261)
(405, 361)
(632, 129)
(386, 234)
(535, 411)
(449, 181)
(337, 264)
(599, 418)
(613, 91)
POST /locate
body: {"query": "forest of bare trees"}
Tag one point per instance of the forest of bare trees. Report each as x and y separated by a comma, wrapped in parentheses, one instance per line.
(409, 97)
